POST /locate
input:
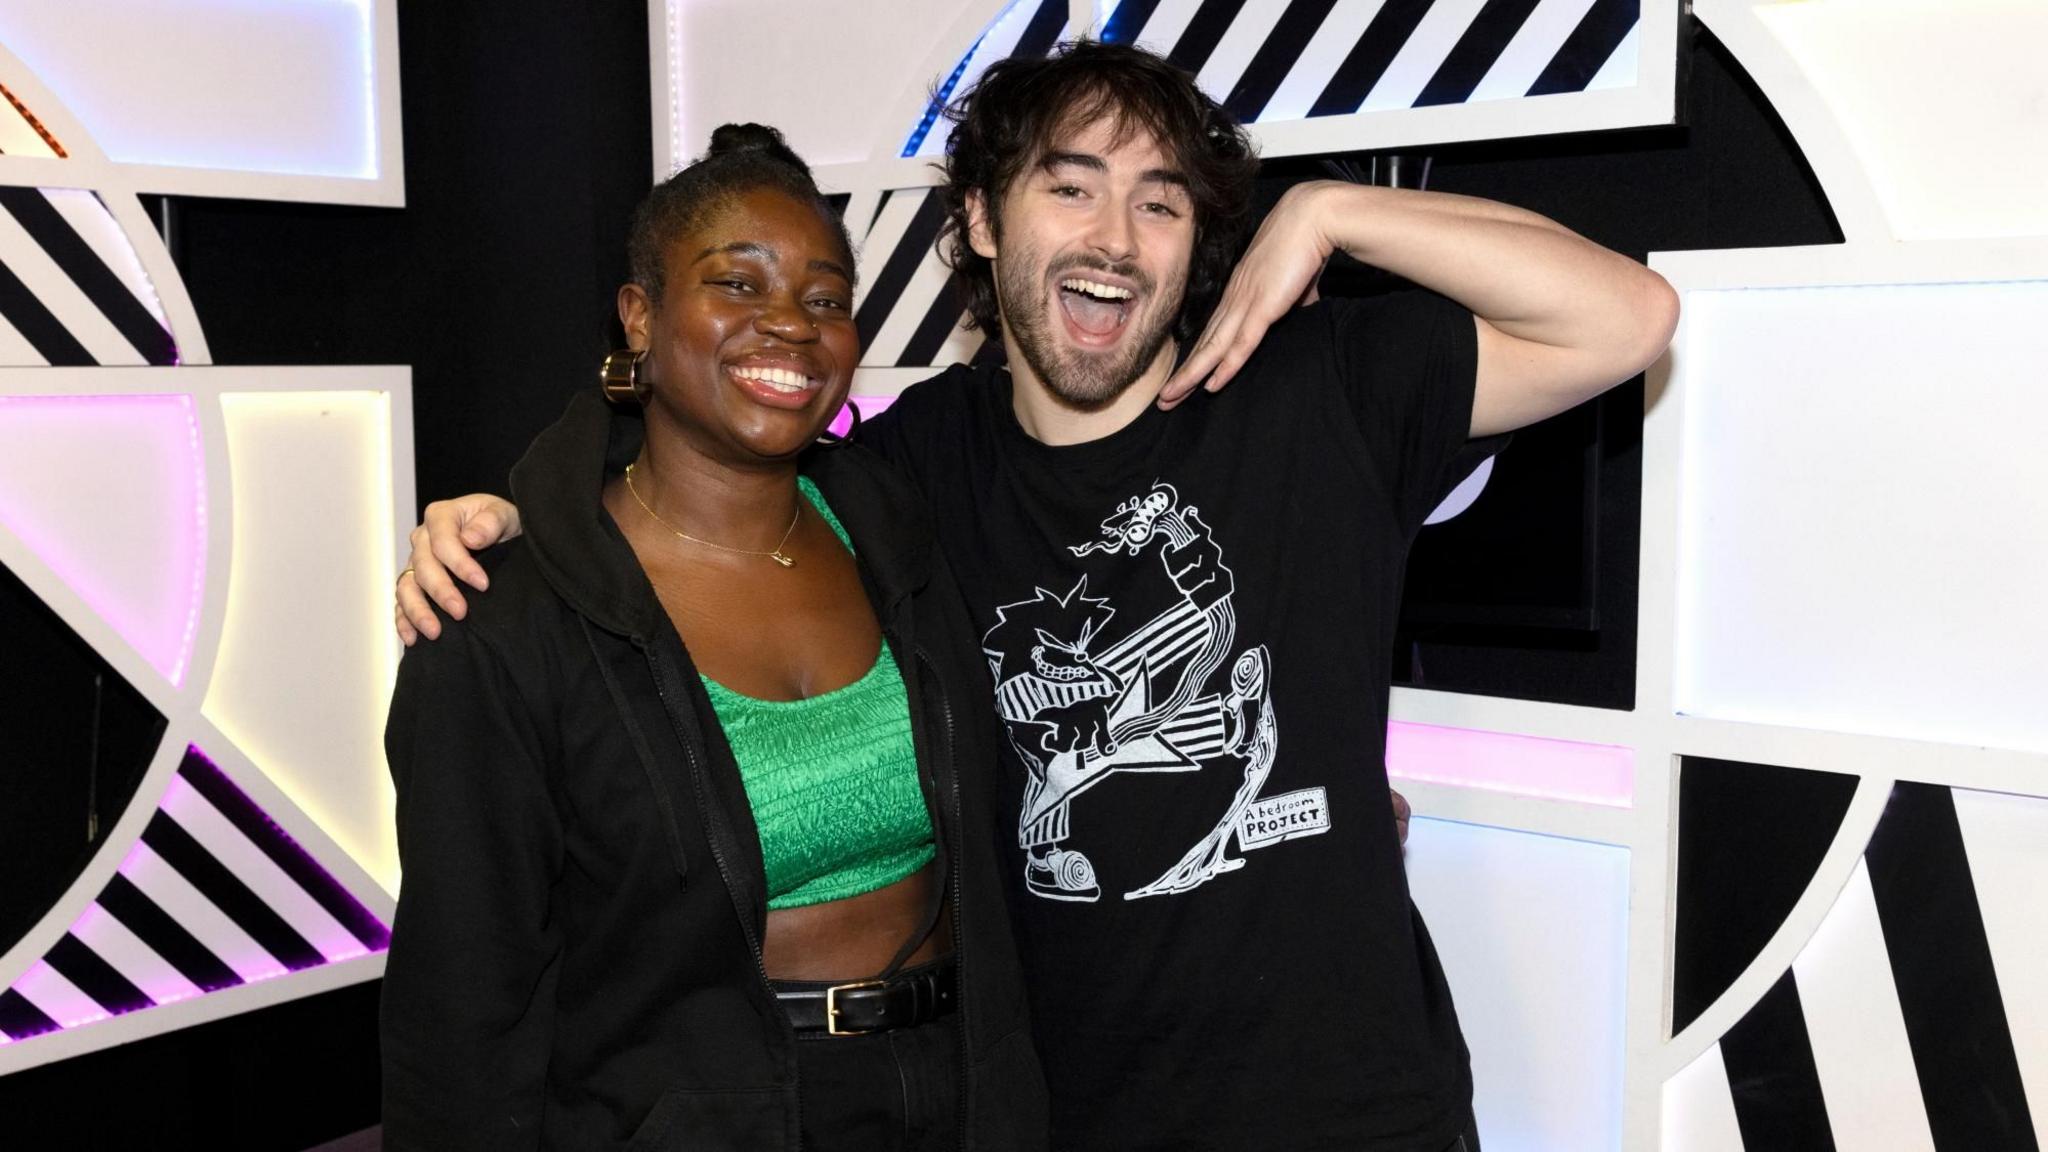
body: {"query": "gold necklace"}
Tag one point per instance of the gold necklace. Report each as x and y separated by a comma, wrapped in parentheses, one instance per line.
(774, 553)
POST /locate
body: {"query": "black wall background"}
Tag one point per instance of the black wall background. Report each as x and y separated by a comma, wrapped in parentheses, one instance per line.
(527, 143)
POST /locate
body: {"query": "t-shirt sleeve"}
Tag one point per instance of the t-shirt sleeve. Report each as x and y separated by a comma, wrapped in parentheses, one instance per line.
(915, 424)
(884, 433)
(1407, 362)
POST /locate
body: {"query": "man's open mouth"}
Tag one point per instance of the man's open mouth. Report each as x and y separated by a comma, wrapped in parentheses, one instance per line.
(1093, 307)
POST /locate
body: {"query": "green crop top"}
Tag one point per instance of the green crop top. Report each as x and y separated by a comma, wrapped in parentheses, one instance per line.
(832, 779)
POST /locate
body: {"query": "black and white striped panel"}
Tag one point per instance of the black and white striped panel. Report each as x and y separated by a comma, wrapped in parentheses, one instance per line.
(213, 895)
(907, 312)
(72, 292)
(1916, 1018)
(1299, 59)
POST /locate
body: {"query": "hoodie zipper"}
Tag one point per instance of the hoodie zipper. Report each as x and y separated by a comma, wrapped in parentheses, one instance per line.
(959, 941)
(663, 687)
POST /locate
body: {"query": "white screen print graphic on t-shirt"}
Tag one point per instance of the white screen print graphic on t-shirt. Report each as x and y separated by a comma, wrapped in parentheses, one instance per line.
(1169, 695)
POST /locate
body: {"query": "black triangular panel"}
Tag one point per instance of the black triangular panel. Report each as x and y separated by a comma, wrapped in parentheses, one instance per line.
(79, 739)
(1749, 839)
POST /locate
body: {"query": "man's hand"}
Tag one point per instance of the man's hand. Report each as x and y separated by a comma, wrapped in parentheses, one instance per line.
(1401, 813)
(1559, 318)
(441, 548)
(1278, 272)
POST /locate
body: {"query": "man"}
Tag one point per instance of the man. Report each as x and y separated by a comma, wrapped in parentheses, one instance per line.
(1188, 604)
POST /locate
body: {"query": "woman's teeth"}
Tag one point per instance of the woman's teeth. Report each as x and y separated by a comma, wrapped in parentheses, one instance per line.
(1097, 290)
(780, 379)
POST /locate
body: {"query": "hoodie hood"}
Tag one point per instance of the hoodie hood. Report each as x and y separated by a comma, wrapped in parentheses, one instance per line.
(578, 547)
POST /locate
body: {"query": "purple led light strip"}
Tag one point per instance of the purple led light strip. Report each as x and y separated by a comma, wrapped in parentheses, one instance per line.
(1600, 774)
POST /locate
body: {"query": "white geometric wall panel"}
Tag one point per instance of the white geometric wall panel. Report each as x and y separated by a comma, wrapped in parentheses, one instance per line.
(221, 539)
(258, 841)
(1865, 488)
(1532, 931)
(288, 100)
(1941, 103)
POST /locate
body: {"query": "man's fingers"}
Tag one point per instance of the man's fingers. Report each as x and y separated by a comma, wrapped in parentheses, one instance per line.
(482, 529)
(432, 575)
(1215, 340)
(413, 609)
(1239, 350)
(406, 632)
(1189, 373)
(445, 524)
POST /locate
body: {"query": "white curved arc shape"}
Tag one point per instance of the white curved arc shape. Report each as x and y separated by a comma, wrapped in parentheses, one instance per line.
(1806, 115)
(88, 169)
(163, 276)
(1866, 808)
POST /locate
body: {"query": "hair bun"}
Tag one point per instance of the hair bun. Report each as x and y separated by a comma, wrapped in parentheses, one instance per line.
(734, 139)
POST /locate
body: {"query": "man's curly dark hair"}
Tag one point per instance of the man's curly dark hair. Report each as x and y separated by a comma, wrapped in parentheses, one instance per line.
(1021, 107)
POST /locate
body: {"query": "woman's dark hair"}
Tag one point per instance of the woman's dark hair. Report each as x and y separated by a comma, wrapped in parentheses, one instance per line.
(742, 157)
(1021, 107)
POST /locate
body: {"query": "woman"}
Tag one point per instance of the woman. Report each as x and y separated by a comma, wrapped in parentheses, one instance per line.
(681, 806)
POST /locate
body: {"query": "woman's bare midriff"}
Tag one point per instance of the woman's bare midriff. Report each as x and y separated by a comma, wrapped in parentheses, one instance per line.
(855, 938)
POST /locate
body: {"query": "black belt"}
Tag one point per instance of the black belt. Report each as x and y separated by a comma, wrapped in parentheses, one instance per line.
(860, 1007)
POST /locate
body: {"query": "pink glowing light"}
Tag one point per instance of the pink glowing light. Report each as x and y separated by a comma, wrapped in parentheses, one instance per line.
(870, 407)
(112, 941)
(58, 998)
(110, 492)
(1522, 765)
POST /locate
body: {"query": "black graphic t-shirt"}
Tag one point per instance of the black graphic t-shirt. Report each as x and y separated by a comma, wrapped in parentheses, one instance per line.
(1189, 624)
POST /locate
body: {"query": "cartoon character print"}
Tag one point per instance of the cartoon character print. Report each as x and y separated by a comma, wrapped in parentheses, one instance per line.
(1079, 707)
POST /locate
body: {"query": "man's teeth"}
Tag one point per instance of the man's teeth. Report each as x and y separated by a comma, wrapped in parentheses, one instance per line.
(780, 379)
(1099, 291)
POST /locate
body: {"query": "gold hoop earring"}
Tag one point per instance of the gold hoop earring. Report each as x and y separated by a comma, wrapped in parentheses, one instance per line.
(620, 380)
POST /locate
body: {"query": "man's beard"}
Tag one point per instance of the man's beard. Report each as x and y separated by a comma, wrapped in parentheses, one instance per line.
(1083, 381)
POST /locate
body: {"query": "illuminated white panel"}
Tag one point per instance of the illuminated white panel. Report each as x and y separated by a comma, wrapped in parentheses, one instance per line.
(305, 665)
(1699, 1112)
(1851, 1007)
(856, 60)
(2007, 840)
(1940, 99)
(1861, 543)
(277, 86)
(1532, 931)
(1502, 762)
(109, 491)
